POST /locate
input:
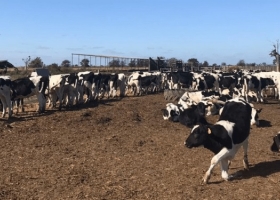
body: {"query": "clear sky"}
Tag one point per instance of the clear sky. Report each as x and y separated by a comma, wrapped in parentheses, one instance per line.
(215, 31)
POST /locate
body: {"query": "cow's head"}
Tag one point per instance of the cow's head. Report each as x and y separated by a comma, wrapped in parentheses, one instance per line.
(275, 147)
(255, 116)
(198, 136)
(171, 112)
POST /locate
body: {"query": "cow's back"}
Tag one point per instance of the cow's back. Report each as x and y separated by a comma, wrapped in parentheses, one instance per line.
(240, 114)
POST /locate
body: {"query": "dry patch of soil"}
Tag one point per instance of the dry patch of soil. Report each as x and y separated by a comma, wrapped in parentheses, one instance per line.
(123, 149)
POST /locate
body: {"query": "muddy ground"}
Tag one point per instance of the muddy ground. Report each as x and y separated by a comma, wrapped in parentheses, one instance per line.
(123, 149)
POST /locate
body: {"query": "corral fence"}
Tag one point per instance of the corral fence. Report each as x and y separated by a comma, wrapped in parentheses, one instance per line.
(106, 63)
(267, 68)
(111, 63)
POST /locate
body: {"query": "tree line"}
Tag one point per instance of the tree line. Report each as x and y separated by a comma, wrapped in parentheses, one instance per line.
(192, 62)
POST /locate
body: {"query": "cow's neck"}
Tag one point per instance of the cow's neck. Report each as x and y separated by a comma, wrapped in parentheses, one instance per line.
(213, 145)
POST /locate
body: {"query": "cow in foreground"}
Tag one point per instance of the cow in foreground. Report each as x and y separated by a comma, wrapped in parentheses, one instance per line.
(225, 137)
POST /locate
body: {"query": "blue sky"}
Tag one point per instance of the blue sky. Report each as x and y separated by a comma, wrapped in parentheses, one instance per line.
(210, 30)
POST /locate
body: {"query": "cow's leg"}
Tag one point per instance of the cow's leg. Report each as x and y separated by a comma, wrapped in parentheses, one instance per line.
(9, 105)
(4, 104)
(245, 158)
(108, 90)
(44, 101)
(214, 161)
(95, 92)
(259, 96)
(59, 95)
(21, 104)
(16, 104)
(122, 88)
(111, 89)
(40, 103)
(224, 169)
(53, 99)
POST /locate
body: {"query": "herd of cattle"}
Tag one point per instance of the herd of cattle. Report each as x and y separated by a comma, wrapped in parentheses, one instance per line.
(226, 94)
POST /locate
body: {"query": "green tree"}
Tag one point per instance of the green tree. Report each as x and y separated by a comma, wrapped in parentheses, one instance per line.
(53, 68)
(171, 62)
(241, 63)
(193, 62)
(205, 64)
(65, 63)
(114, 63)
(223, 64)
(85, 62)
(36, 63)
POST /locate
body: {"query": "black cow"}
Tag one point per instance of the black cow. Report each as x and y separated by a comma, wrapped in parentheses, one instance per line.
(228, 82)
(275, 147)
(27, 87)
(225, 137)
(181, 79)
(147, 82)
(208, 81)
(193, 115)
(108, 83)
(5, 95)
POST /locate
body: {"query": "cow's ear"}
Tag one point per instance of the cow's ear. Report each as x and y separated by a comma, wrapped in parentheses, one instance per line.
(259, 110)
(209, 131)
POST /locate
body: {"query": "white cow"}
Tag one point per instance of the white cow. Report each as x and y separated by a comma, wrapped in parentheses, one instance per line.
(56, 88)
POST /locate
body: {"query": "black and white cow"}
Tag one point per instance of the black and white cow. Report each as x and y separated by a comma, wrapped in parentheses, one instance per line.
(193, 115)
(90, 82)
(193, 98)
(229, 81)
(189, 117)
(5, 95)
(275, 147)
(108, 84)
(180, 79)
(225, 137)
(29, 86)
(56, 89)
(255, 83)
(134, 84)
(149, 82)
(71, 93)
(172, 112)
(207, 81)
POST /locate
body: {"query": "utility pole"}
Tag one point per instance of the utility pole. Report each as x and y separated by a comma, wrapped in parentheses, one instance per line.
(277, 56)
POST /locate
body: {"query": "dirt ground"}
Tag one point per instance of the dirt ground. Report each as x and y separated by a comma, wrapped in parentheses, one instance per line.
(123, 149)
